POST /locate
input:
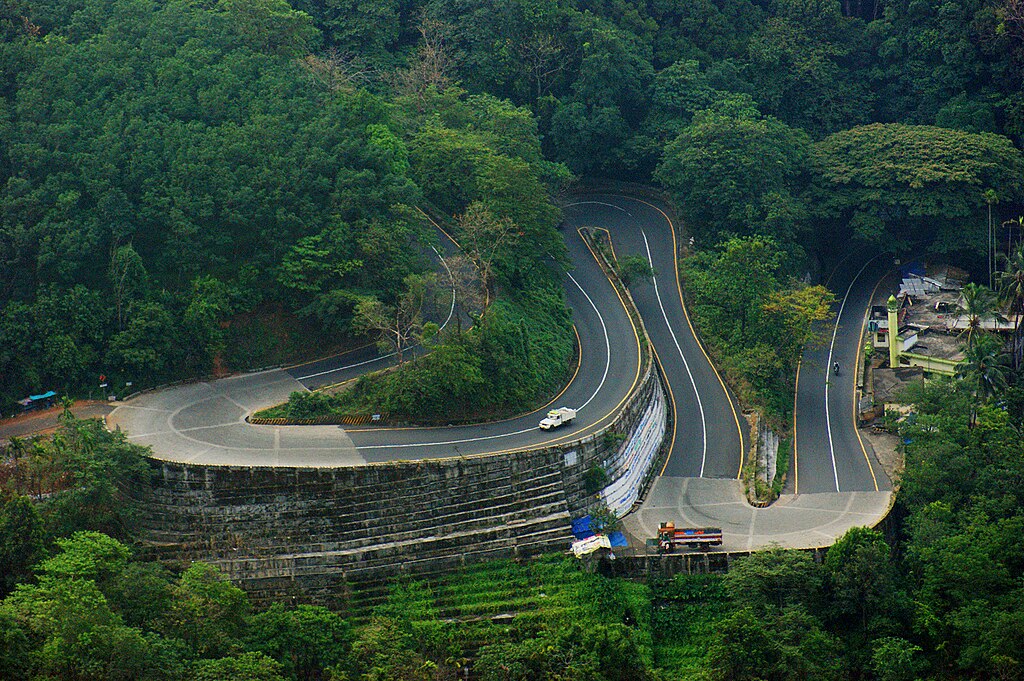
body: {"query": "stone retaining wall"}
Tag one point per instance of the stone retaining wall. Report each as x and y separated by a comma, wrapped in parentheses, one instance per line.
(307, 533)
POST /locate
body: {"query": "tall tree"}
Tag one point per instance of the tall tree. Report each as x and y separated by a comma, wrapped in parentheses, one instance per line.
(979, 305)
(910, 184)
(736, 171)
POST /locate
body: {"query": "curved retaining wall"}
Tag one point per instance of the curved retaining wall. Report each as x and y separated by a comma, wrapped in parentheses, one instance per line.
(308, 532)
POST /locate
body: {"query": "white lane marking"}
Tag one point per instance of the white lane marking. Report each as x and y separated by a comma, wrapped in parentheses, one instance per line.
(349, 366)
(451, 312)
(598, 203)
(700, 403)
(607, 343)
(828, 368)
(607, 366)
(451, 278)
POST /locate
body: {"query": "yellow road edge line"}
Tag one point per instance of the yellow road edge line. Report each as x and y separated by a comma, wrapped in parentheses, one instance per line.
(657, 358)
(796, 393)
(675, 412)
(860, 344)
(686, 315)
(594, 427)
(439, 228)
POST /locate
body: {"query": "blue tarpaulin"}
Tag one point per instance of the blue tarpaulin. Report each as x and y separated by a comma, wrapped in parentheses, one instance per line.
(912, 267)
(581, 528)
(618, 539)
(44, 396)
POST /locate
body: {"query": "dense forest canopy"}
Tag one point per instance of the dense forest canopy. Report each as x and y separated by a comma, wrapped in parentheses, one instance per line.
(189, 185)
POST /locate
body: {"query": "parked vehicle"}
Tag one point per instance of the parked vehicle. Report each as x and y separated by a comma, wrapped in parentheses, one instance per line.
(669, 537)
(557, 417)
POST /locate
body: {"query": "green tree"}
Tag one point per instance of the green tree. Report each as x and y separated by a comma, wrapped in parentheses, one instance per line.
(793, 316)
(15, 648)
(21, 540)
(771, 580)
(363, 28)
(399, 326)
(788, 644)
(914, 183)
(735, 171)
(807, 64)
(861, 580)
(1011, 281)
(244, 667)
(91, 556)
(979, 305)
(985, 367)
(73, 631)
(634, 268)
(732, 284)
(896, 659)
(127, 279)
(270, 26)
(93, 469)
(307, 640)
(207, 613)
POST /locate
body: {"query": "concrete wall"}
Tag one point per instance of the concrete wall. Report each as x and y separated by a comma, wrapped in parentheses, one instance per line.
(306, 533)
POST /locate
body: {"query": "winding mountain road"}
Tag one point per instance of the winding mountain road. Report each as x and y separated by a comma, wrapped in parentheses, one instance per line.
(204, 423)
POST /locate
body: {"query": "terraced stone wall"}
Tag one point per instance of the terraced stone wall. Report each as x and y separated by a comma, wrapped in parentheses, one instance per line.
(308, 533)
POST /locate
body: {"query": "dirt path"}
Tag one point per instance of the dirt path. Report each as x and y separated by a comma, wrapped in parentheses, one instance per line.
(45, 421)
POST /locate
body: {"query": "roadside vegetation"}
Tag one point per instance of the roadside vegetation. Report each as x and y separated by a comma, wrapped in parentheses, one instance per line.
(935, 595)
(229, 192)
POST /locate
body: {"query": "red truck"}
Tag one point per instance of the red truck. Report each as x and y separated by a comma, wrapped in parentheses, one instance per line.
(669, 537)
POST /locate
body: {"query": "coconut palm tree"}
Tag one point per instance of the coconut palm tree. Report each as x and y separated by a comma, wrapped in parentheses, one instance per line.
(979, 304)
(1011, 280)
(985, 369)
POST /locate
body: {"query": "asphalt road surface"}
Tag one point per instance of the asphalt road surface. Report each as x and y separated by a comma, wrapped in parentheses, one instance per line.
(205, 423)
(708, 440)
(830, 455)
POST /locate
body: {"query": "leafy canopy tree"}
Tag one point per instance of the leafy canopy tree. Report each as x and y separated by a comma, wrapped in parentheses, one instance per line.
(252, 666)
(767, 582)
(734, 171)
(862, 583)
(914, 183)
(183, 143)
(21, 540)
(807, 63)
(307, 640)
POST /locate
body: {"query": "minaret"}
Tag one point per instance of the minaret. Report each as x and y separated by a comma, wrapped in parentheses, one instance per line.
(893, 307)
